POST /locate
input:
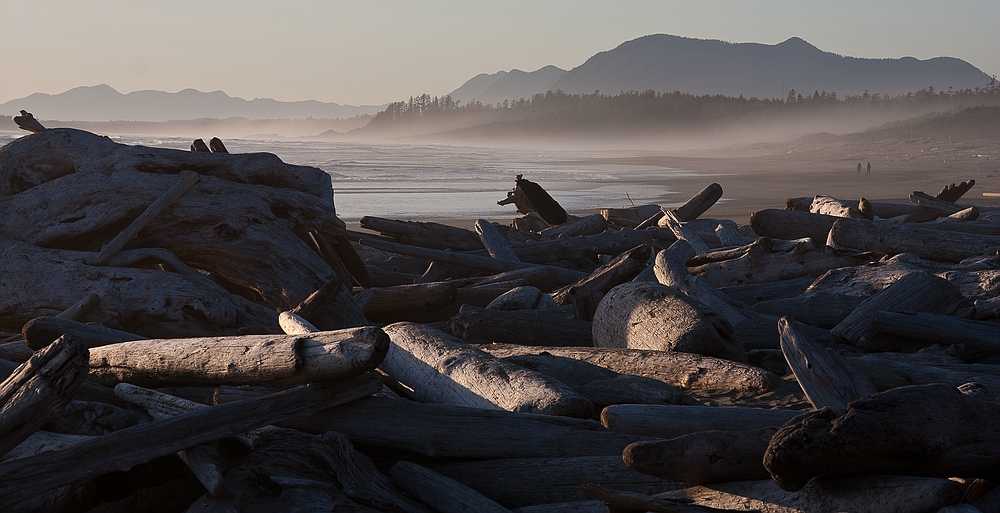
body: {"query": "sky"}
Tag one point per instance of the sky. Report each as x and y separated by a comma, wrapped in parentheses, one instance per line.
(376, 51)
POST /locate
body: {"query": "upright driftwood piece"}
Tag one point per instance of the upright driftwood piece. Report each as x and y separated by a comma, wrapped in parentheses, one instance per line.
(442, 369)
(216, 145)
(528, 196)
(38, 388)
(929, 430)
(828, 380)
(495, 244)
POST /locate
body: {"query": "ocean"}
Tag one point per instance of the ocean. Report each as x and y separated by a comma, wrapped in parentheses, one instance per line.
(432, 181)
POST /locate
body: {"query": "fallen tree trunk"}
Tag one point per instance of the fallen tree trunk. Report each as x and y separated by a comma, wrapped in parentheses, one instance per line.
(541, 277)
(700, 203)
(931, 430)
(670, 421)
(323, 356)
(887, 373)
(589, 225)
(682, 370)
(442, 369)
(495, 244)
(818, 308)
(618, 270)
(790, 224)
(449, 431)
(893, 239)
(834, 207)
(390, 304)
(520, 327)
(42, 331)
(331, 308)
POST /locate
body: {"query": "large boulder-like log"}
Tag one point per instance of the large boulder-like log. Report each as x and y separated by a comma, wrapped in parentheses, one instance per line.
(930, 430)
(648, 315)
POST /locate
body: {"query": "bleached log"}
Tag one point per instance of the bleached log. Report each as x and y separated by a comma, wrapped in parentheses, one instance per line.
(441, 369)
(670, 421)
(293, 324)
(968, 214)
(790, 224)
(442, 493)
(939, 329)
(893, 239)
(38, 388)
(495, 244)
(916, 291)
(323, 356)
(703, 457)
(673, 221)
(449, 431)
(729, 236)
(43, 441)
(827, 379)
(682, 370)
(424, 234)
(520, 327)
(551, 479)
(763, 262)
(671, 271)
(618, 270)
(651, 316)
(930, 430)
(834, 207)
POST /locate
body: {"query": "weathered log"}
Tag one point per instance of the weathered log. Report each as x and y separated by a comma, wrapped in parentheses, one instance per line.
(44, 156)
(522, 298)
(952, 193)
(827, 379)
(80, 308)
(589, 225)
(671, 271)
(424, 234)
(753, 293)
(673, 221)
(703, 457)
(790, 224)
(449, 431)
(987, 308)
(827, 494)
(968, 214)
(390, 304)
(893, 239)
(551, 479)
(530, 223)
(440, 368)
(293, 324)
(216, 145)
(763, 262)
(479, 296)
(945, 207)
(618, 270)
(638, 217)
(930, 430)
(43, 441)
(917, 291)
(43, 385)
(651, 316)
(939, 329)
(80, 417)
(887, 371)
(42, 331)
(26, 477)
(670, 421)
(539, 276)
(818, 308)
(442, 493)
(700, 203)
(729, 236)
(26, 121)
(323, 356)
(340, 255)
(520, 327)
(331, 307)
(495, 244)
(834, 207)
(198, 145)
(682, 370)
(587, 246)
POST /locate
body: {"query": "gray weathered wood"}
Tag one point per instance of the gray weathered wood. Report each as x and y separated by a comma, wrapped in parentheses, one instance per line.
(700, 203)
(893, 239)
(589, 225)
(940, 329)
(424, 234)
(495, 244)
(669, 421)
(618, 270)
(673, 221)
(671, 271)
(42, 331)
(294, 324)
(834, 207)
(791, 224)
(440, 492)
(331, 307)
(766, 261)
(827, 379)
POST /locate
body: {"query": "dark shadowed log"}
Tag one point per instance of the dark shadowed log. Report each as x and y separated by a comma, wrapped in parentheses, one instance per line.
(587, 246)
(442, 369)
(887, 371)
(216, 145)
(331, 307)
(42, 331)
(39, 388)
(198, 145)
(931, 430)
(589, 506)
(390, 304)
(618, 270)
(539, 276)
(952, 193)
(424, 234)
(827, 379)
(638, 217)
(866, 209)
(700, 203)
(548, 208)
(651, 316)
(26, 121)
(442, 493)
(817, 308)
(946, 207)
(522, 298)
(448, 431)
(670, 421)
(520, 327)
(940, 329)
(703, 457)
(753, 293)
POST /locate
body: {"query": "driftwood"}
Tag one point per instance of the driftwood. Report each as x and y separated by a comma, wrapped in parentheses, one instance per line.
(424, 234)
(703, 457)
(38, 388)
(886, 372)
(331, 307)
(590, 506)
(28, 122)
(587, 246)
(520, 327)
(893, 239)
(670, 421)
(826, 378)
(681, 232)
(939, 329)
(618, 270)
(952, 193)
(589, 225)
(670, 270)
(442, 493)
(834, 207)
(42, 331)
(916, 291)
(390, 304)
(638, 217)
(216, 145)
(495, 244)
(651, 316)
(763, 262)
(199, 145)
(528, 196)
(700, 203)
(790, 224)
(522, 298)
(682, 370)
(538, 276)
(931, 430)
(441, 369)
(631, 501)
(753, 293)
(827, 494)
(26, 477)
(449, 431)
(323, 356)
(818, 308)
(551, 479)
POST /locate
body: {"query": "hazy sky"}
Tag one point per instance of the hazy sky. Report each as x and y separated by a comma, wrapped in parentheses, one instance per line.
(373, 51)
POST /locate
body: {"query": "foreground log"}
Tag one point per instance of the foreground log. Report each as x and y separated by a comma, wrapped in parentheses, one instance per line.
(552, 479)
(651, 316)
(441, 369)
(24, 478)
(827, 494)
(703, 457)
(520, 327)
(670, 421)
(43, 385)
(940, 329)
(682, 370)
(930, 430)
(323, 356)
(893, 239)
(449, 431)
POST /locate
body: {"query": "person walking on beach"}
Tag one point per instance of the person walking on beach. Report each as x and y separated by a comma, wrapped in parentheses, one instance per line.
(859, 168)
(869, 168)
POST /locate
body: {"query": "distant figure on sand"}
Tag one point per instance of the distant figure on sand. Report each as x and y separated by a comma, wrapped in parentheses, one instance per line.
(869, 168)
(859, 168)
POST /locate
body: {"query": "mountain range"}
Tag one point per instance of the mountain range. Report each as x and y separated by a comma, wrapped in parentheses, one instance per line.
(668, 63)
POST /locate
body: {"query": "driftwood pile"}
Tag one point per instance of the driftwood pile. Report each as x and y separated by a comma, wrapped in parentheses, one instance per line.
(197, 331)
